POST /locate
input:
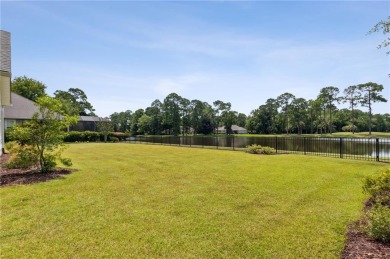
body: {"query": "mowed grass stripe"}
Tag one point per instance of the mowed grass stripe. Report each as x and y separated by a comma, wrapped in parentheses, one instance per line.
(159, 201)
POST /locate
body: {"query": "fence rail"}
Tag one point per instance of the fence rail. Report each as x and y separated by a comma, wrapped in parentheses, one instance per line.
(373, 149)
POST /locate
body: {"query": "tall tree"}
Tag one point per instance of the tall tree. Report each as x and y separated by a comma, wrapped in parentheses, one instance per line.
(77, 98)
(197, 108)
(207, 123)
(314, 114)
(171, 113)
(329, 96)
(241, 119)
(28, 87)
(134, 128)
(145, 124)
(352, 96)
(155, 113)
(185, 114)
(221, 111)
(284, 101)
(299, 112)
(383, 26)
(104, 126)
(121, 121)
(370, 94)
(229, 118)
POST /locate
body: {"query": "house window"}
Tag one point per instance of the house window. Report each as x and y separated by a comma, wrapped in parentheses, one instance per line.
(9, 123)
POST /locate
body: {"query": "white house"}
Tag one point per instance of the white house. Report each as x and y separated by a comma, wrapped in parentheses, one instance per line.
(235, 129)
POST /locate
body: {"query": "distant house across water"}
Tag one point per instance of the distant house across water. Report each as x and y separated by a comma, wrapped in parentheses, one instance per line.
(235, 129)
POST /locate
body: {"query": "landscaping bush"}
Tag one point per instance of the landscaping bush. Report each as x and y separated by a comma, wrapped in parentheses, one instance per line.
(378, 217)
(21, 156)
(349, 128)
(257, 149)
(113, 139)
(379, 223)
(91, 136)
(74, 136)
(8, 135)
(82, 136)
(9, 146)
(379, 187)
(120, 135)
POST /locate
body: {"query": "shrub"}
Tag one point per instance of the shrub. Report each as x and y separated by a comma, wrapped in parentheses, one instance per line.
(9, 146)
(66, 161)
(73, 136)
(82, 136)
(8, 135)
(378, 218)
(379, 187)
(257, 149)
(379, 223)
(113, 139)
(49, 162)
(349, 128)
(120, 135)
(22, 157)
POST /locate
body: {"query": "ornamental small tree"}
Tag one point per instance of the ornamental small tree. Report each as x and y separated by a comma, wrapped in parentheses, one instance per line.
(45, 132)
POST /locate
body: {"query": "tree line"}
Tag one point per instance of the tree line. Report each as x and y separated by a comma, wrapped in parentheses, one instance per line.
(285, 113)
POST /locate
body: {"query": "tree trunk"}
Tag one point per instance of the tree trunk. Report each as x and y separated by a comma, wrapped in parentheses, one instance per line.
(369, 112)
(330, 122)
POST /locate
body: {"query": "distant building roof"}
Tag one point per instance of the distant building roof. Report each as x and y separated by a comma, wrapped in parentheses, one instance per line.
(89, 118)
(234, 128)
(21, 108)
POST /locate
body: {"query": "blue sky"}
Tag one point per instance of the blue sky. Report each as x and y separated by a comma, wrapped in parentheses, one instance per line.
(126, 54)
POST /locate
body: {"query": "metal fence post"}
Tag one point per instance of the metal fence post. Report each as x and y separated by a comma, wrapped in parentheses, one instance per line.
(341, 147)
(276, 144)
(233, 143)
(377, 149)
(217, 142)
(304, 145)
(203, 141)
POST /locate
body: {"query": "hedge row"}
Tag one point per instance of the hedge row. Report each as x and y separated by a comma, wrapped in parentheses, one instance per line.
(91, 136)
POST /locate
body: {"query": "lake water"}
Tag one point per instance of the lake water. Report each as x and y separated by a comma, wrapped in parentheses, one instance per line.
(358, 148)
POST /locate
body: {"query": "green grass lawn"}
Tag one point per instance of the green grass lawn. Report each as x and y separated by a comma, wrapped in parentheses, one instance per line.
(148, 201)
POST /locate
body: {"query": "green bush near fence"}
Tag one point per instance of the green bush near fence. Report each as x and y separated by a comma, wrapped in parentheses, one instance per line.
(258, 149)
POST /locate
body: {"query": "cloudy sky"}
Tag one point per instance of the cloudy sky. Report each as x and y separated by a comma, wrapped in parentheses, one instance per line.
(126, 54)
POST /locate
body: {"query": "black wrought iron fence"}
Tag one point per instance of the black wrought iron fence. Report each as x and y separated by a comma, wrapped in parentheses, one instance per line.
(373, 149)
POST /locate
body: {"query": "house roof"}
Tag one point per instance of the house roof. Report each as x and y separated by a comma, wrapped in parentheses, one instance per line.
(21, 108)
(234, 128)
(89, 118)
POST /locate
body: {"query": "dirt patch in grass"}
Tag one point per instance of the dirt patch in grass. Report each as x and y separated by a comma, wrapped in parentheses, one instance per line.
(32, 175)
